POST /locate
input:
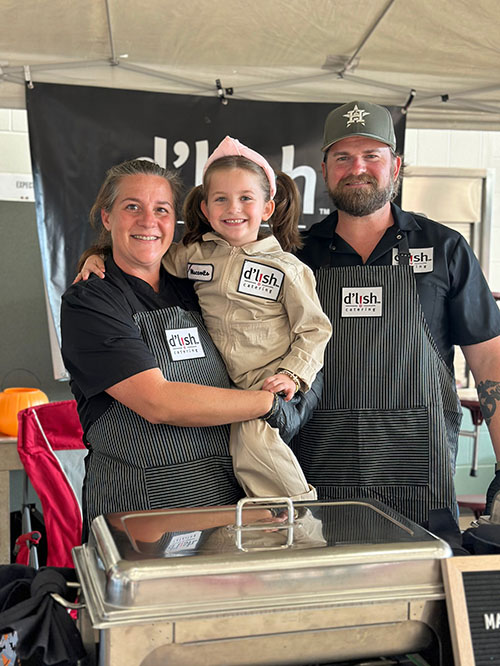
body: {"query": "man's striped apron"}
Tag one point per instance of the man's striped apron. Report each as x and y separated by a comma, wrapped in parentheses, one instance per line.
(388, 422)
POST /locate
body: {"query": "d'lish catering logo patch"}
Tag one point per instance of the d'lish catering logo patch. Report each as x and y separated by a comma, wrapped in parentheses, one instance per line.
(184, 343)
(260, 280)
(181, 542)
(421, 258)
(361, 302)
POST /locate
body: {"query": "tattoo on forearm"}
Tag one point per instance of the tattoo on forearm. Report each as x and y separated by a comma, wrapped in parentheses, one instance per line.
(488, 393)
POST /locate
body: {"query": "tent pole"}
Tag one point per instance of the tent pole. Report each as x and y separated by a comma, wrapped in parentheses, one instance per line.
(462, 93)
(18, 69)
(403, 90)
(473, 106)
(10, 78)
(165, 75)
(349, 63)
(284, 82)
(114, 59)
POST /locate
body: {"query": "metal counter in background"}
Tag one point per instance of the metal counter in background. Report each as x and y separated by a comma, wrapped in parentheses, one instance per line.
(356, 580)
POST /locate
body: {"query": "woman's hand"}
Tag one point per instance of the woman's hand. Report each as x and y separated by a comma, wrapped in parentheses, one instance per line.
(280, 384)
(290, 417)
(93, 264)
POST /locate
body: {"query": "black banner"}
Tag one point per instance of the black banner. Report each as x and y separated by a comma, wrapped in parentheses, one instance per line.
(77, 133)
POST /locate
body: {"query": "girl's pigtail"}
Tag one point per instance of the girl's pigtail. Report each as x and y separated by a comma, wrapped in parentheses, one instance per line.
(285, 219)
(102, 249)
(195, 223)
(102, 246)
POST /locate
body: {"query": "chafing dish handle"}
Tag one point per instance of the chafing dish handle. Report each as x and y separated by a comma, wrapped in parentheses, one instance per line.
(288, 526)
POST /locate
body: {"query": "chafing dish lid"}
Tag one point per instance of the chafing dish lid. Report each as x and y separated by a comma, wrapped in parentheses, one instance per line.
(265, 526)
(137, 564)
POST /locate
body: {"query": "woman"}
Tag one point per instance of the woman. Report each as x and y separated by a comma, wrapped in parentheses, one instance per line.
(143, 367)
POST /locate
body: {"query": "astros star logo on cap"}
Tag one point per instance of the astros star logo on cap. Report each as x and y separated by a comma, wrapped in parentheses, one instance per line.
(356, 115)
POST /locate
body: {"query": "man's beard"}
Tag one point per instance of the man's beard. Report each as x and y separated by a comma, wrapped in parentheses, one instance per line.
(360, 201)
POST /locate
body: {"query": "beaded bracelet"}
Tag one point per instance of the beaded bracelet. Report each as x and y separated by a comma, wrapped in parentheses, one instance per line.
(273, 409)
(292, 375)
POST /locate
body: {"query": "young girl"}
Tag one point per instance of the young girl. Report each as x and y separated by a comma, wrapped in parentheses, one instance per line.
(258, 301)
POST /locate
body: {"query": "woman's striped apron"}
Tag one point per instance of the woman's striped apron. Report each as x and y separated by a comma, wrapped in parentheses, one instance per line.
(137, 465)
(388, 421)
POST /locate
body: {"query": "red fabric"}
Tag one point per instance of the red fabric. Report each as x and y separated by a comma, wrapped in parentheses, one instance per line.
(22, 550)
(61, 513)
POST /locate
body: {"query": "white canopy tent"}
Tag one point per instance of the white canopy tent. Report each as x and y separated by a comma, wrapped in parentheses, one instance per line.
(443, 57)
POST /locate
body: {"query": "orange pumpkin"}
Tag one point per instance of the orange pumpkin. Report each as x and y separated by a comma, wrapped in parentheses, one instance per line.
(12, 400)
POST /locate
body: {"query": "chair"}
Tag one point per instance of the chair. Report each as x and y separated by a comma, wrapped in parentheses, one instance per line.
(475, 503)
(51, 449)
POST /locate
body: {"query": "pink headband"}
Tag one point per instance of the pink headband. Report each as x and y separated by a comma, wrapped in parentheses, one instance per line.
(231, 146)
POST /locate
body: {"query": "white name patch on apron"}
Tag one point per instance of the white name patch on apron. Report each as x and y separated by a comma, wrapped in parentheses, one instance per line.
(181, 542)
(200, 272)
(184, 343)
(421, 258)
(361, 302)
(260, 280)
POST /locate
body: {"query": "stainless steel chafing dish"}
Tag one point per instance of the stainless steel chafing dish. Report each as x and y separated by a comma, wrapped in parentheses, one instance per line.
(266, 583)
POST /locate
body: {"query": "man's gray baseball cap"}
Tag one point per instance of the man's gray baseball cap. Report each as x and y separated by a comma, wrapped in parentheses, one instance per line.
(359, 119)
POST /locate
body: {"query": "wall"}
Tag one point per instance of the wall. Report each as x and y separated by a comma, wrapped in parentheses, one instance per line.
(25, 342)
(25, 358)
(464, 149)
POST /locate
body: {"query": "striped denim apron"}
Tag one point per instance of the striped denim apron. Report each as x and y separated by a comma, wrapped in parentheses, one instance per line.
(137, 465)
(388, 421)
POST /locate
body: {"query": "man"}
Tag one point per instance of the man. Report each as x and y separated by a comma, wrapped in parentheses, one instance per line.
(400, 291)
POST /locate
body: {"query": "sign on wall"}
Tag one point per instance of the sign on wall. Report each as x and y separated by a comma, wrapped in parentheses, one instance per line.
(16, 187)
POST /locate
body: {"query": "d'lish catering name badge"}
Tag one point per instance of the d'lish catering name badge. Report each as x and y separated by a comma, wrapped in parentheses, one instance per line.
(184, 343)
(361, 302)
